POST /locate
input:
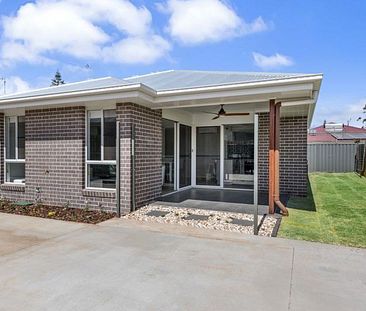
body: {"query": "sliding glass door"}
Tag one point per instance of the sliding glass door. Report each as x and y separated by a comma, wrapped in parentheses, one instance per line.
(176, 147)
(239, 156)
(185, 155)
(208, 155)
(224, 156)
(168, 156)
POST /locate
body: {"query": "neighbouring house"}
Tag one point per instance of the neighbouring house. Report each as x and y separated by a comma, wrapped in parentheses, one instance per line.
(177, 129)
(336, 147)
(336, 133)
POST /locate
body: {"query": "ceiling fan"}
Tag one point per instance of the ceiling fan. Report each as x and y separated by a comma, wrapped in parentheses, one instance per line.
(223, 113)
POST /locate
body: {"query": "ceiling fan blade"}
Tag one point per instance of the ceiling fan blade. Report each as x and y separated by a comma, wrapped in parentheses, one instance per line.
(214, 118)
(209, 112)
(228, 114)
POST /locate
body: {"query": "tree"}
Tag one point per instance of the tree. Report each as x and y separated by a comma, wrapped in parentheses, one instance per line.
(57, 80)
(363, 118)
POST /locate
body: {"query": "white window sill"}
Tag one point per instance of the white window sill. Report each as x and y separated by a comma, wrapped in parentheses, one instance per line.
(11, 186)
(99, 192)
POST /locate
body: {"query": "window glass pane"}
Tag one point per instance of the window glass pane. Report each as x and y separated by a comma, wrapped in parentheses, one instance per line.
(168, 161)
(21, 137)
(239, 156)
(10, 139)
(101, 176)
(95, 125)
(208, 156)
(15, 172)
(109, 135)
(185, 156)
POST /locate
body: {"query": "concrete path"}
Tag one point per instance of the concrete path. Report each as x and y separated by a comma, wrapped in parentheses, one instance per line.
(122, 265)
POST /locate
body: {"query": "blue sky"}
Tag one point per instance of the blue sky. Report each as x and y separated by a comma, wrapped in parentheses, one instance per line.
(122, 38)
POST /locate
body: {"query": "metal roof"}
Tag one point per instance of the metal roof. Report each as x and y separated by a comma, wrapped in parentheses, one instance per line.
(70, 87)
(180, 79)
(159, 81)
(346, 136)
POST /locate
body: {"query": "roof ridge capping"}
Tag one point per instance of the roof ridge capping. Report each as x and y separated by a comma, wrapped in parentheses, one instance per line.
(245, 72)
(149, 74)
(259, 73)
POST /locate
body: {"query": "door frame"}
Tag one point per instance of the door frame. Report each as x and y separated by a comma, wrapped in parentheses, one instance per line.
(194, 154)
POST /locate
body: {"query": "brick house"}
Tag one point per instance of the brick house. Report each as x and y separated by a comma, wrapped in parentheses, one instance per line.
(58, 144)
(336, 133)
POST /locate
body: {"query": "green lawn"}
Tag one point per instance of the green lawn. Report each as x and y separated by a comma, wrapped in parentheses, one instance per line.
(334, 211)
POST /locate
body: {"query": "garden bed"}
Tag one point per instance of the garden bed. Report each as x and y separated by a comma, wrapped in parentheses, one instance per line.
(55, 212)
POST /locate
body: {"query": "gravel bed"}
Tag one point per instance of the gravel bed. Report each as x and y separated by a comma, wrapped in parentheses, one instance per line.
(216, 220)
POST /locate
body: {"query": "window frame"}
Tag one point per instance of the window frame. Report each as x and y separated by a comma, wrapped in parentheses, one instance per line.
(16, 160)
(97, 113)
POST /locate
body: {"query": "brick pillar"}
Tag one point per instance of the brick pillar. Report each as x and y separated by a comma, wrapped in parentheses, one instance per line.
(148, 144)
(293, 154)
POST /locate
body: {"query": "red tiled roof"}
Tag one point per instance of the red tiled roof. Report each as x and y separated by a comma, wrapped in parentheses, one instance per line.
(323, 136)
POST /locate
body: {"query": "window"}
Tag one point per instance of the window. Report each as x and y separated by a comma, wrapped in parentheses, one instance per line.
(15, 149)
(101, 149)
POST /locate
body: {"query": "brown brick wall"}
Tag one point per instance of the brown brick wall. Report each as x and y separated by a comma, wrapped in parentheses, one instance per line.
(293, 154)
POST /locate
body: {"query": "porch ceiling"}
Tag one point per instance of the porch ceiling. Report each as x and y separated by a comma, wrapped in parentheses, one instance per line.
(204, 114)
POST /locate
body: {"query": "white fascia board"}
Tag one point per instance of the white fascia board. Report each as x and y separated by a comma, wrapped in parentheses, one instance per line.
(116, 97)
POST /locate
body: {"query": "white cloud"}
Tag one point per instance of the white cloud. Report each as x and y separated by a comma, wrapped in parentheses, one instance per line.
(76, 28)
(14, 84)
(272, 61)
(136, 50)
(339, 113)
(197, 21)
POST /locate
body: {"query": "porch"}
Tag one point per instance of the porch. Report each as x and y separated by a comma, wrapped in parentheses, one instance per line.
(219, 154)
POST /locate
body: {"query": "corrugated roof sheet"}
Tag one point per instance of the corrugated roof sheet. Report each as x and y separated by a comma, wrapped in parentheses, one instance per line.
(348, 136)
(165, 80)
(180, 79)
(70, 87)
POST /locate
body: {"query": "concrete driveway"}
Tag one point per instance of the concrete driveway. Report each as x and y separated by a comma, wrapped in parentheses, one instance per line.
(121, 265)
